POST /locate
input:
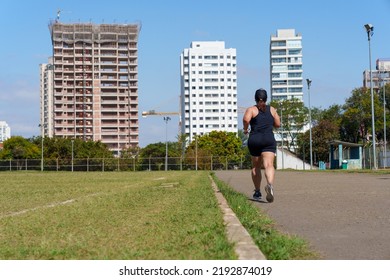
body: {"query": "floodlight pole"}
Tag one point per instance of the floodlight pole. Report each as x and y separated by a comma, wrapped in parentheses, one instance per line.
(72, 152)
(42, 152)
(370, 29)
(384, 125)
(281, 130)
(42, 126)
(310, 139)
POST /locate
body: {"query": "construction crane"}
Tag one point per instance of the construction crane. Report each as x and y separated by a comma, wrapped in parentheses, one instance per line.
(155, 113)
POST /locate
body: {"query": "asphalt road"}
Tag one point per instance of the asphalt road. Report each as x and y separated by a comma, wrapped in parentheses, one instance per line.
(344, 216)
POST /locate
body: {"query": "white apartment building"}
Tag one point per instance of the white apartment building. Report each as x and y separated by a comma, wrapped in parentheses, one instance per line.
(286, 65)
(208, 89)
(95, 83)
(46, 94)
(380, 76)
(5, 131)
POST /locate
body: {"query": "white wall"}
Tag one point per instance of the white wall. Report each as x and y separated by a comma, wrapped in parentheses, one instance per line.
(287, 160)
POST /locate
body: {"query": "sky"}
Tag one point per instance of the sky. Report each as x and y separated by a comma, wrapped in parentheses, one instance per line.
(335, 49)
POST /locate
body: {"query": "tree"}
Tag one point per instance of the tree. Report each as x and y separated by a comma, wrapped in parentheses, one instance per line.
(322, 133)
(156, 152)
(130, 152)
(294, 116)
(18, 147)
(356, 123)
(58, 147)
(333, 114)
(215, 147)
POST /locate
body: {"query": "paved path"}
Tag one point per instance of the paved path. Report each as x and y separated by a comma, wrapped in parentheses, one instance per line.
(342, 215)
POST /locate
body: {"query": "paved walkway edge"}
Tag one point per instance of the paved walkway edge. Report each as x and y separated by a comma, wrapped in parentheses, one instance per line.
(245, 247)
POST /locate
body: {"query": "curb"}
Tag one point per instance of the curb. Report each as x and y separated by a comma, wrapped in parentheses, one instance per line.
(245, 247)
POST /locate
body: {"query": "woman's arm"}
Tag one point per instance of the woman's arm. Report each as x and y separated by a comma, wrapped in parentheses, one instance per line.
(276, 117)
(246, 119)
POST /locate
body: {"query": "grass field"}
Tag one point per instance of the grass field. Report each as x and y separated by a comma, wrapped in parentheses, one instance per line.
(111, 215)
(127, 215)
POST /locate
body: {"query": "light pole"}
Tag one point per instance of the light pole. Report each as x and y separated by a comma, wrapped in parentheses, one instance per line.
(166, 119)
(72, 152)
(311, 148)
(384, 125)
(42, 136)
(42, 152)
(196, 152)
(370, 29)
(281, 130)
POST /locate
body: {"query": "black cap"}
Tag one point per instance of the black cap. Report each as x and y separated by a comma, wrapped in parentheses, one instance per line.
(261, 94)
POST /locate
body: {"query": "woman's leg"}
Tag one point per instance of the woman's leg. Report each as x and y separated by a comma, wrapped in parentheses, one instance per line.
(256, 172)
(269, 170)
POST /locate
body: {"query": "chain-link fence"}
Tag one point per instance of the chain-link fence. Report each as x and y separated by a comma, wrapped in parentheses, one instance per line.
(129, 164)
(158, 163)
(382, 157)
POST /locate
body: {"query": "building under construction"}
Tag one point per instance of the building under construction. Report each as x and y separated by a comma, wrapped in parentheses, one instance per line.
(95, 83)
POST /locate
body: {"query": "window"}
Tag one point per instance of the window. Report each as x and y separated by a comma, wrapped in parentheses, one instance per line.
(294, 43)
(294, 52)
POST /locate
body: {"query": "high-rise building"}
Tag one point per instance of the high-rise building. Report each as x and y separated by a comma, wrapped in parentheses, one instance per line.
(380, 76)
(208, 89)
(46, 83)
(95, 83)
(286, 65)
(5, 131)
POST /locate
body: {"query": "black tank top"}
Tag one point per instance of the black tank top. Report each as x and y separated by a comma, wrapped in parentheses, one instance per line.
(263, 122)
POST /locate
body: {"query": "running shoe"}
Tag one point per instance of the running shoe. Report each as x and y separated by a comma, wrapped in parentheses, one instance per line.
(270, 193)
(257, 195)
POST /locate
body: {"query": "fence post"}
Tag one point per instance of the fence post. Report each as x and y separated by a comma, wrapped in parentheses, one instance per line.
(26, 164)
(87, 164)
(10, 165)
(211, 162)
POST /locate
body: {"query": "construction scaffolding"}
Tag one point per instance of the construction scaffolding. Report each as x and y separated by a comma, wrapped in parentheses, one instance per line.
(95, 82)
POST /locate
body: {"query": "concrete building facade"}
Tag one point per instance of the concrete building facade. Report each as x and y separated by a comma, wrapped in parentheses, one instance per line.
(46, 102)
(5, 131)
(380, 75)
(95, 83)
(208, 73)
(286, 65)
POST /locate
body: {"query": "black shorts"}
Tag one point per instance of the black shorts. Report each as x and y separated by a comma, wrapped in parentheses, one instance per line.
(261, 142)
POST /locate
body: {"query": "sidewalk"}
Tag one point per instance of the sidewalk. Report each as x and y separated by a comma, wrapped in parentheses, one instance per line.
(245, 247)
(342, 215)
